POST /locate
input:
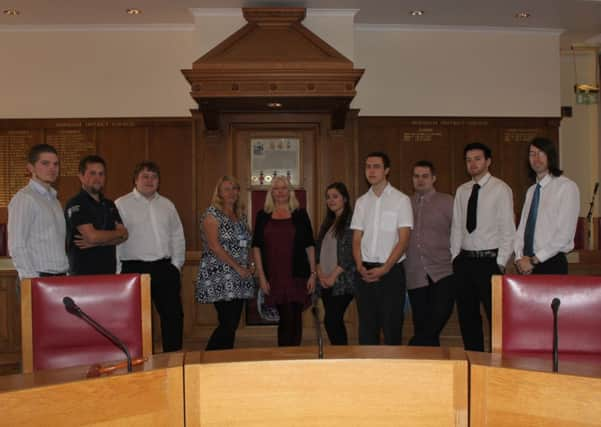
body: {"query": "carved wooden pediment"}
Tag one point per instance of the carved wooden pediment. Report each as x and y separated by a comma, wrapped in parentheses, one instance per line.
(273, 63)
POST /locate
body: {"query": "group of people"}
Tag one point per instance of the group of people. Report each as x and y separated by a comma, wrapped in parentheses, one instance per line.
(140, 232)
(441, 250)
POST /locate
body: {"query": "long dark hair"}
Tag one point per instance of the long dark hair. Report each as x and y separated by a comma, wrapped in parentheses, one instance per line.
(331, 219)
(547, 147)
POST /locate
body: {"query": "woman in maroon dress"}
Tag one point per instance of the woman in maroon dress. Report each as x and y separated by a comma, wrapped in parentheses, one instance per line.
(284, 252)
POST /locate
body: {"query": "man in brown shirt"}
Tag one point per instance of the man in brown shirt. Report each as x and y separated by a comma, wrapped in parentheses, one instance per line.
(429, 267)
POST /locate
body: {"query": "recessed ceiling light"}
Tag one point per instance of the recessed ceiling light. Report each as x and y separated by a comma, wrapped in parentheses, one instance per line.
(274, 105)
(133, 11)
(416, 12)
(522, 15)
(11, 12)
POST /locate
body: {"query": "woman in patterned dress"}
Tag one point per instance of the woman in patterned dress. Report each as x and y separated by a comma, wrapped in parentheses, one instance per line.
(225, 276)
(284, 251)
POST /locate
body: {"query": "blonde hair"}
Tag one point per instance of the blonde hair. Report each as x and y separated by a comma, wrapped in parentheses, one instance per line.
(217, 200)
(292, 200)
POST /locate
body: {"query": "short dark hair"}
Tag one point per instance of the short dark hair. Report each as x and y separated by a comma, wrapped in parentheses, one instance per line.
(146, 165)
(382, 155)
(425, 164)
(478, 146)
(546, 146)
(35, 151)
(88, 160)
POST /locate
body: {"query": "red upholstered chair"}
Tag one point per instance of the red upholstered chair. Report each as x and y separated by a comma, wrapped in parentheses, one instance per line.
(54, 338)
(523, 321)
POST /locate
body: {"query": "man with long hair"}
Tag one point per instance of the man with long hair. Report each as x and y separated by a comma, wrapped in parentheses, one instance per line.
(549, 216)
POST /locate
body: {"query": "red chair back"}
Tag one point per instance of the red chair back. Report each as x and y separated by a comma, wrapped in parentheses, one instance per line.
(527, 318)
(61, 339)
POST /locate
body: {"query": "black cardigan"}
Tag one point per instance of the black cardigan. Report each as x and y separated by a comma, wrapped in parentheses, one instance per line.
(303, 238)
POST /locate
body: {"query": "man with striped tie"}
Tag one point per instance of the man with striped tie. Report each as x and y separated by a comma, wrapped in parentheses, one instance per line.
(549, 216)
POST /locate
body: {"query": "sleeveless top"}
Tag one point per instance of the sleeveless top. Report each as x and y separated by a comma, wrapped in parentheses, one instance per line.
(217, 280)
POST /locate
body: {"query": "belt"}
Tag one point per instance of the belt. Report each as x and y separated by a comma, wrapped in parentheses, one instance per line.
(139, 261)
(488, 253)
(44, 274)
(370, 265)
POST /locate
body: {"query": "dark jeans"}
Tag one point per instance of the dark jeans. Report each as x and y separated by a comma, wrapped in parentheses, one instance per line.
(290, 327)
(472, 279)
(557, 264)
(335, 306)
(380, 307)
(165, 287)
(228, 314)
(431, 307)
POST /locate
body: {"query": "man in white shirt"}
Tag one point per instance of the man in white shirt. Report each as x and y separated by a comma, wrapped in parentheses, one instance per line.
(156, 246)
(549, 216)
(382, 223)
(482, 234)
(36, 224)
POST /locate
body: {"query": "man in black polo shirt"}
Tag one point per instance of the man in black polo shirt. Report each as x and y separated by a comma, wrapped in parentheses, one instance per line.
(94, 226)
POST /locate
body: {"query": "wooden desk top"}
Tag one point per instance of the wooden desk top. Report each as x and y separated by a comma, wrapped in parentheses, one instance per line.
(78, 373)
(532, 363)
(330, 353)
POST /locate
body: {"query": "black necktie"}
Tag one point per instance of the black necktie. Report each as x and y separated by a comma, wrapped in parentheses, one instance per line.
(472, 209)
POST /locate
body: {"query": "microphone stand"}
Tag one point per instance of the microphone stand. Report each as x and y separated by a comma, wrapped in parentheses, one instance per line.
(589, 218)
(555, 307)
(317, 324)
(77, 311)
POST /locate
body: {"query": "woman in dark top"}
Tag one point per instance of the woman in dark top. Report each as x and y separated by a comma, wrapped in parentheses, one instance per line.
(225, 272)
(335, 264)
(284, 252)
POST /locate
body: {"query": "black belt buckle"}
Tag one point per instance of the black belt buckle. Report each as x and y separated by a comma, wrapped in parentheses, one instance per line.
(488, 253)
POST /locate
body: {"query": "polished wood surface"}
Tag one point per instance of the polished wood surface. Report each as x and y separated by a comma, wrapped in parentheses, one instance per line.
(519, 391)
(150, 396)
(350, 386)
(497, 313)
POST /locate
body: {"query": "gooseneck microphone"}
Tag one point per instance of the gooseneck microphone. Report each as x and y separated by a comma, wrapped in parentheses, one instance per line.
(77, 311)
(318, 334)
(555, 307)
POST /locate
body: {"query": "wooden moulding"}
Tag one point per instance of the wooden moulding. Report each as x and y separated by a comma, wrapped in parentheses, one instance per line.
(273, 59)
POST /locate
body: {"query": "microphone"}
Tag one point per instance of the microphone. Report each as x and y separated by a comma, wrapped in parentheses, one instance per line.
(596, 188)
(555, 307)
(315, 312)
(74, 309)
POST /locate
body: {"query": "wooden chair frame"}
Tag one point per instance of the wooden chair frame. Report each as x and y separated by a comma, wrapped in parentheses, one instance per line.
(27, 327)
(497, 314)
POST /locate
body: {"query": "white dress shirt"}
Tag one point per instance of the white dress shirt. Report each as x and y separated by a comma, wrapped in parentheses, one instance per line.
(495, 227)
(36, 231)
(380, 219)
(154, 227)
(558, 209)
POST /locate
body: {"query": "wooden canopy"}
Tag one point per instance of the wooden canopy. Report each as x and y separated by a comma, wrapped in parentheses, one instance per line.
(273, 63)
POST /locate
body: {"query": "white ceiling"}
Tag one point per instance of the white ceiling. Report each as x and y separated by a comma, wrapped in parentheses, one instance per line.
(580, 19)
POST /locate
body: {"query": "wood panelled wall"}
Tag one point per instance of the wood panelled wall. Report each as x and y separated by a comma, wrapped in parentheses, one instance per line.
(192, 159)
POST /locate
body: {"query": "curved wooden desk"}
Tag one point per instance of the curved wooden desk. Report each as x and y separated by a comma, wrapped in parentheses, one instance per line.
(352, 385)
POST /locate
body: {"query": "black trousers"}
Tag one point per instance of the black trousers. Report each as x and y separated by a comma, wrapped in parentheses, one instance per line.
(290, 327)
(472, 279)
(335, 307)
(557, 264)
(380, 307)
(431, 307)
(228, 314)
(165, 287)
